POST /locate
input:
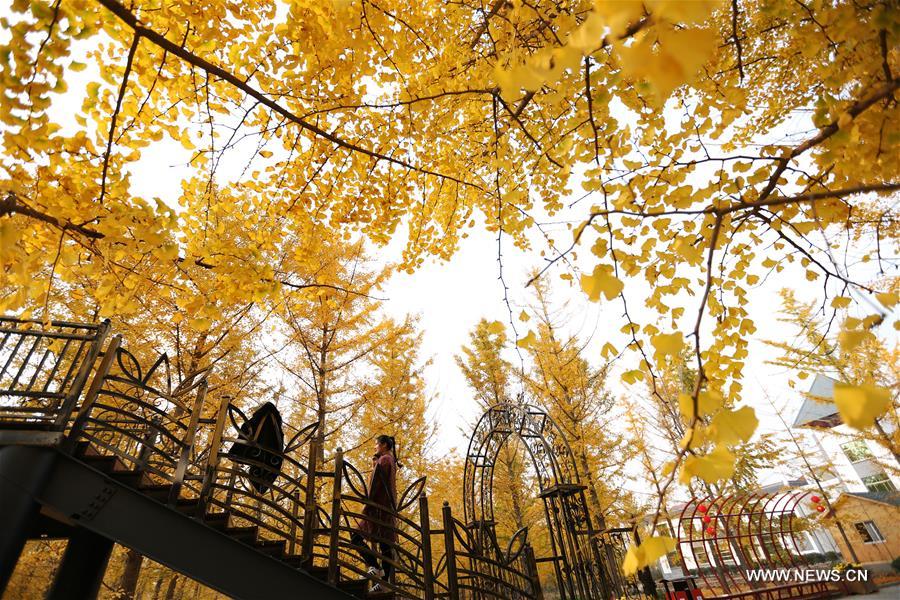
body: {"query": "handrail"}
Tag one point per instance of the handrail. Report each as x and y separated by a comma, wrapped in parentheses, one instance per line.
(133, 414)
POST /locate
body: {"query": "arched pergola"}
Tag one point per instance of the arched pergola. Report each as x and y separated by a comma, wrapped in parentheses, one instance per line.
(583, 568)
(721, 538)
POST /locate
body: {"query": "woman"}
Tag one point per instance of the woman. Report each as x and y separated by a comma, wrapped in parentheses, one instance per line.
(380, 525)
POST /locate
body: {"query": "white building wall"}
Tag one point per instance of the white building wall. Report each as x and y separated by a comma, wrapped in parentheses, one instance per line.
(851, 474)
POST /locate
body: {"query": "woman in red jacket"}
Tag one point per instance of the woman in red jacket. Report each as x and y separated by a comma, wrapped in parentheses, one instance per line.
(380, 524)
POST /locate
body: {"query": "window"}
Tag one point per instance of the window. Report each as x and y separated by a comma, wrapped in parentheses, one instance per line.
(856, 451)
(869, 532)
(879, 483)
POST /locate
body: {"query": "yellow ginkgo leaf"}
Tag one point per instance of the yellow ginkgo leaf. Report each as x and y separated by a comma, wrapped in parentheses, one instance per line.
(849, 339)
(667, 344)
(679, 11)
(647, 553)
(200, 323)
(887, 299)
(734, 426)
(708, 402)
(860, 405)
(841, 302)
(695, 438)
(712, 467)
(523, 316)
(495, 327)
(601, 281)
(632, 376)
(527, 341)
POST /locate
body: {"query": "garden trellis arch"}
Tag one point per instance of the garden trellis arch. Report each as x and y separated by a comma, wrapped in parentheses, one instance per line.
(585, 567)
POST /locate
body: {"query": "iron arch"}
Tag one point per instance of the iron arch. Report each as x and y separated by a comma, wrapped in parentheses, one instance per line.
(583, 568)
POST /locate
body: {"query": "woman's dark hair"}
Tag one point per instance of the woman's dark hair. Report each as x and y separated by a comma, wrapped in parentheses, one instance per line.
(391, 442)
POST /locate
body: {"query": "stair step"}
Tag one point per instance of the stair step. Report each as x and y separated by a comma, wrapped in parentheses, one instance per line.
(358, 588)
(84, 448)
(243, 534)
(106, 463)
(298, 562)
(26, 425)
(133, 479)
(157, 491)
(188, 506)
(216, 520)
(271, 547)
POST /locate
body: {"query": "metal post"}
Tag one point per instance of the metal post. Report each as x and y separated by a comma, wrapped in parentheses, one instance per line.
(309, 507)
(212, 458)
(190, 434)
(425, 530)
(449, 527)
(531, 565)
(20, 480)
(68, 444)
(147, 442)
(334, 572)
(68, 405)
(83, 564)
(295, 516)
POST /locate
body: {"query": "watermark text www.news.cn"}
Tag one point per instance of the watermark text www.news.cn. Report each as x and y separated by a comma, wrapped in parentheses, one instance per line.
(806, 575)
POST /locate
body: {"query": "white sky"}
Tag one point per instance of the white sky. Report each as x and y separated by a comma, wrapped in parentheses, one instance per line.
(451, 297)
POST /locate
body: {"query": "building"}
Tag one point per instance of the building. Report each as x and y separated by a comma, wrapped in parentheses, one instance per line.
(861, 478)
(858, 465)
(875, 520)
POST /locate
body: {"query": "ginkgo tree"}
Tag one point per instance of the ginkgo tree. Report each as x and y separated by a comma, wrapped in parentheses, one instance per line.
(713, 142)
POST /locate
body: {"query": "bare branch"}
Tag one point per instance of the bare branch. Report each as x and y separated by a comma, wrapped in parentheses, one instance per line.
(115, 115)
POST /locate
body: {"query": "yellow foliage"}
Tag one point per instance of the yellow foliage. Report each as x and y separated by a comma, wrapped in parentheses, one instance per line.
(650, 550)
(731, 427)
(713, 467)
(601, 281)
(860, 405)
(707, 403)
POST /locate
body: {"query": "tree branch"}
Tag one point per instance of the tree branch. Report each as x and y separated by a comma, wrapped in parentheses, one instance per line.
(131, 20)
(115, 115)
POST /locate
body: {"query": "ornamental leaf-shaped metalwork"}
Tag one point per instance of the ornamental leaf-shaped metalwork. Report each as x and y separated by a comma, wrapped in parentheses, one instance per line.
(356, 481)
(301, 437)
(516, 545)
(411, 494)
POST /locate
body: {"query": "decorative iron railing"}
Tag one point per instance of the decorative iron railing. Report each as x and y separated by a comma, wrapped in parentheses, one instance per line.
(136, 416)
(155, 432)
(43, 369)
(238, 485)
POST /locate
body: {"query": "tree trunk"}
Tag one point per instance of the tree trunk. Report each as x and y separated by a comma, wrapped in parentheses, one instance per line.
(515, 491)
(129, 579)
(157, 586)
(591, 487)
(170, 590)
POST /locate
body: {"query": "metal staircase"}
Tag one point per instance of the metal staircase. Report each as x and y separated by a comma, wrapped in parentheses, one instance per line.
(98, 449)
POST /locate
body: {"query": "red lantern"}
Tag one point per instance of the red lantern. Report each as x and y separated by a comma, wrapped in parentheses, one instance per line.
(706, 518)
(702, 508)
(815, 499)
(820, 508)
(711, 530)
